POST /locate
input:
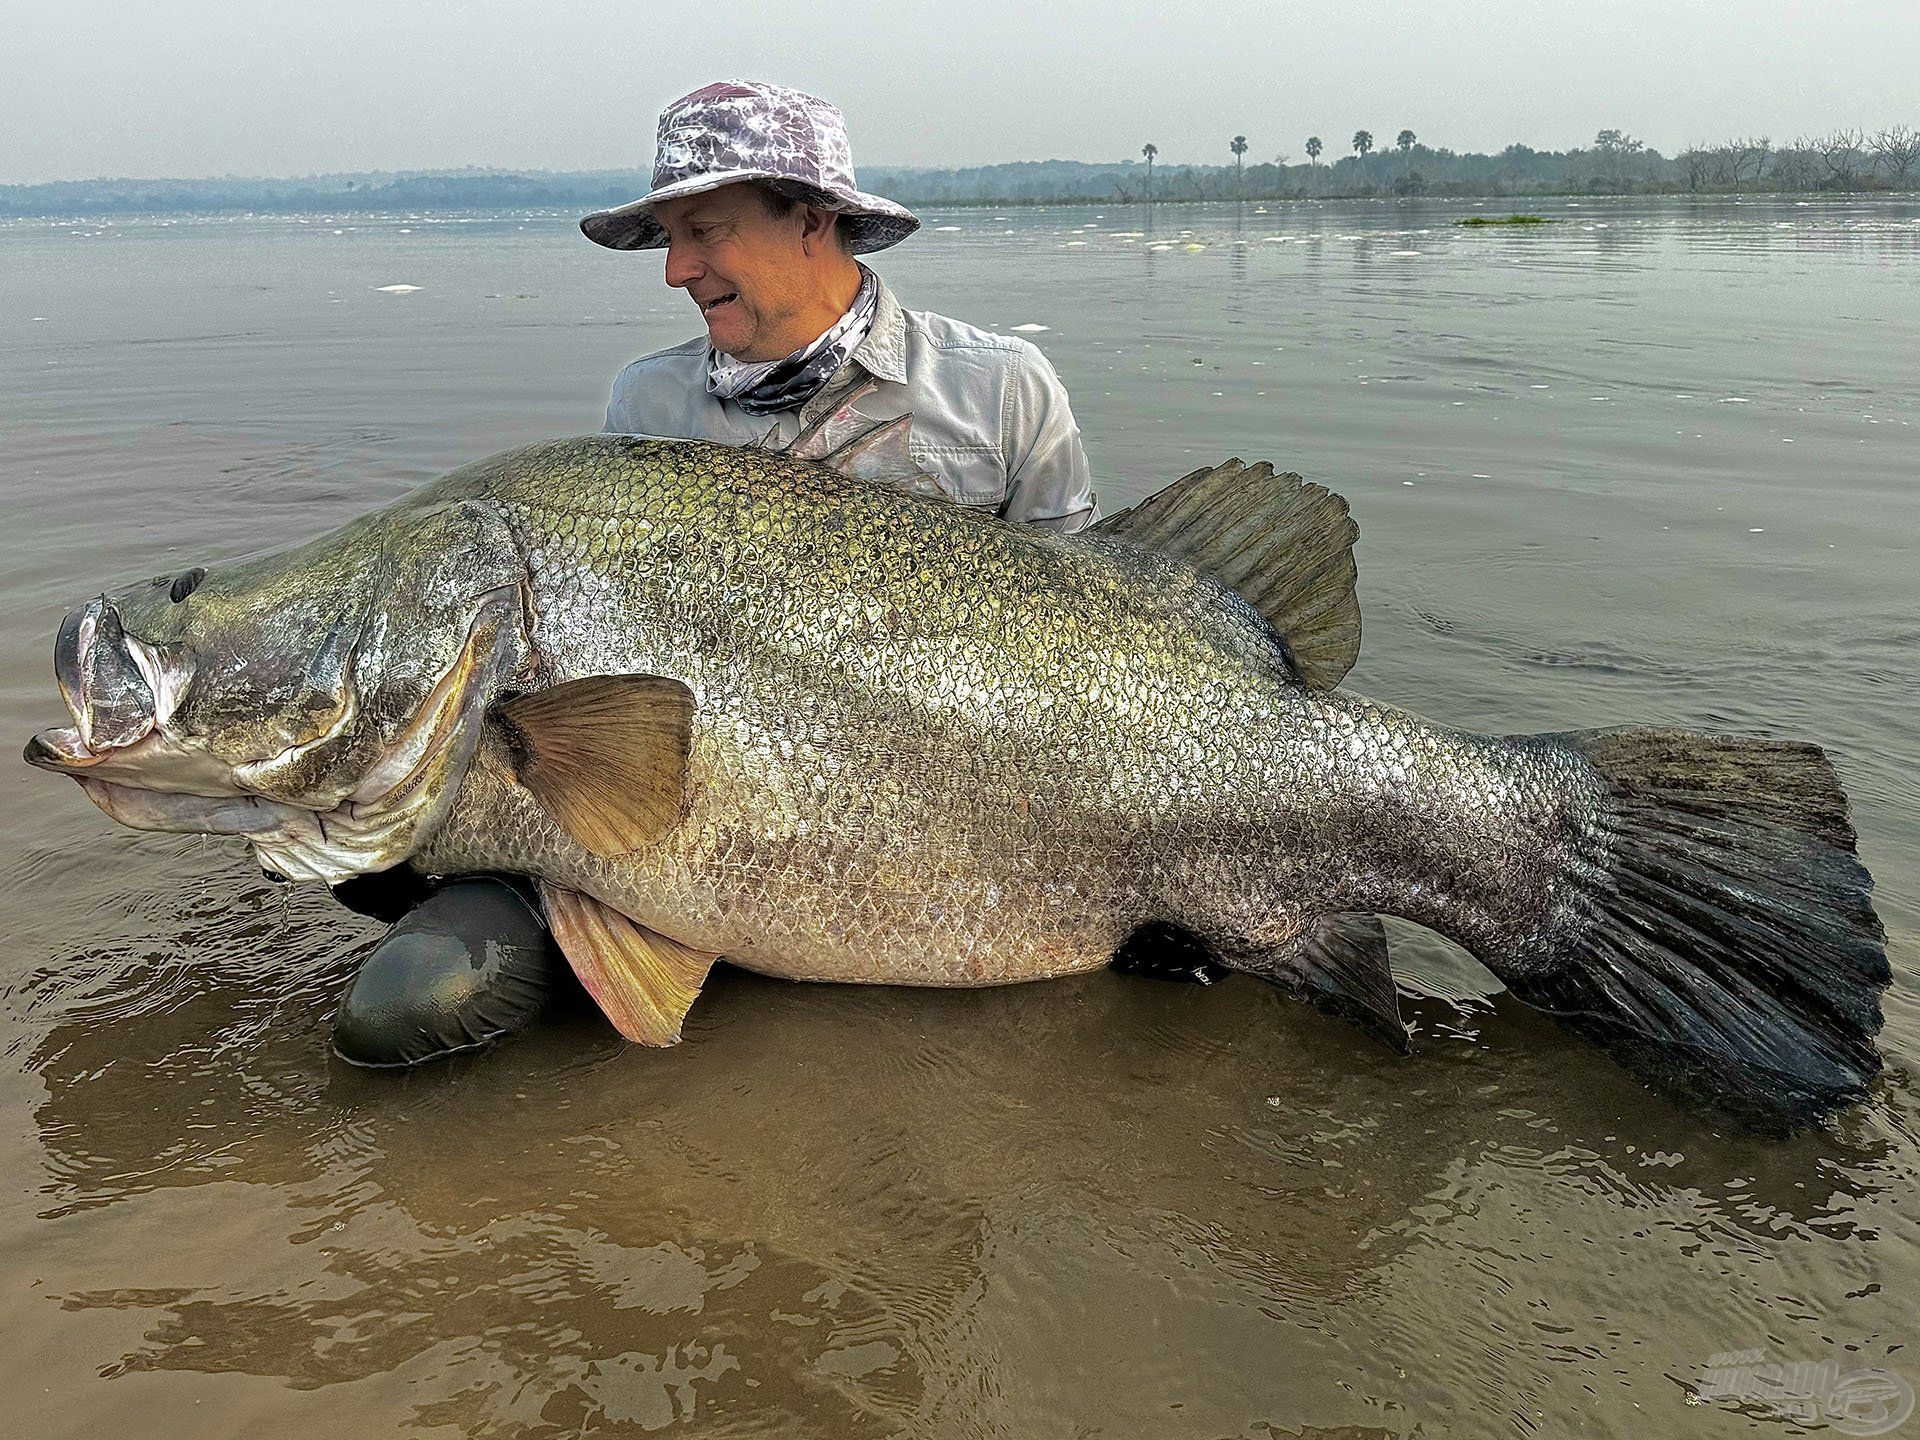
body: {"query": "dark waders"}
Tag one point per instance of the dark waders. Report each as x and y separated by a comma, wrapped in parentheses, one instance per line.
(467, 962)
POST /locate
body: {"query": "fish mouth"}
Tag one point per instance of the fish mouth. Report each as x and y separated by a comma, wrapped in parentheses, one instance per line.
(104, 777)
(106, 689)
(110, 680)
(267, 823)
(119, 692)
(62, 750)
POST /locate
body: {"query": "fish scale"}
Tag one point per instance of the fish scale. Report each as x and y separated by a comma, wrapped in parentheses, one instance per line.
(930, 748)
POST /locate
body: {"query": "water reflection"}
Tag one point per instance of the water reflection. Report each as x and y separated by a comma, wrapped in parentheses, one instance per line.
(832, 1209)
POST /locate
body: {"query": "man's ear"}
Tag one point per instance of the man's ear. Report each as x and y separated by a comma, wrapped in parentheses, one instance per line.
(817, 229)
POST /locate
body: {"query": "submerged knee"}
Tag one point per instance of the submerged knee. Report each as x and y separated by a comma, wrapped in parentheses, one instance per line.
(469, 965)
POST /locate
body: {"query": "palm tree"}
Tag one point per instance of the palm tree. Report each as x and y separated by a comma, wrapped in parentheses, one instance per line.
(1314, 147)
(1405, 141)
(1239, 148)
(1149, 150)
(1362, 143)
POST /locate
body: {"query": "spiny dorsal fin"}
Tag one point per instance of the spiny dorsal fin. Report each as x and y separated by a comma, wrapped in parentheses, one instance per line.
(865, 448)
(1284, 545)
(606, 756)
(644, 982)
(834, 429)
(878, 454)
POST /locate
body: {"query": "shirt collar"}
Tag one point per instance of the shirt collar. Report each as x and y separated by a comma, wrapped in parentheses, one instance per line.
(884, 351)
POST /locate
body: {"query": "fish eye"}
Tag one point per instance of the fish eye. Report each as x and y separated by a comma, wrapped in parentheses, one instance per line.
(187, 583)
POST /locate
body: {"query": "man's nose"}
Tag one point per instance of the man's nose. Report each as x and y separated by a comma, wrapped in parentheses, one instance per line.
(682, 269)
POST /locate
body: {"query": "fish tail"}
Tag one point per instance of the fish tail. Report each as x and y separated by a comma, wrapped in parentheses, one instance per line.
(1712, 927)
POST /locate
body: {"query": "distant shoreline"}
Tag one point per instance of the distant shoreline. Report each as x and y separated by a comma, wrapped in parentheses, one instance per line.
(927, 207)
(1414, 172)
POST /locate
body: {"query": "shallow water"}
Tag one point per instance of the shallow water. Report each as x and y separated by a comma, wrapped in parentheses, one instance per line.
(1656, 462)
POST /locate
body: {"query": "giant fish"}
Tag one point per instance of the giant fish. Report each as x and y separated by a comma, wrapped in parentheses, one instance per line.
(727, 702)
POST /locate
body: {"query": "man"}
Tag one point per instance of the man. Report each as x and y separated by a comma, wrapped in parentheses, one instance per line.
(754, 201)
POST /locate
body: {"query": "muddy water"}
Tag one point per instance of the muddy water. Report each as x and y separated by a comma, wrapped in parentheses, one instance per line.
(1655, 462)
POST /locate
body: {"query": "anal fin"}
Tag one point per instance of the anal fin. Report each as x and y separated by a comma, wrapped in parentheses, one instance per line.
(643, 981)
(1339, 966)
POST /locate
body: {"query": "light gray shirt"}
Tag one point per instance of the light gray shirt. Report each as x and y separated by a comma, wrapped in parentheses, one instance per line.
(991, 422)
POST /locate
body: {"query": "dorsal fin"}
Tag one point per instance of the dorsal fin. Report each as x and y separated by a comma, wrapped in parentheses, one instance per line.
(1284, 545)
(877, 454)
(837, 428)
(858, 445)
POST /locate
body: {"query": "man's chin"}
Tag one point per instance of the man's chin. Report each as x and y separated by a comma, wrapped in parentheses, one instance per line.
(721, 334)
(730, 339)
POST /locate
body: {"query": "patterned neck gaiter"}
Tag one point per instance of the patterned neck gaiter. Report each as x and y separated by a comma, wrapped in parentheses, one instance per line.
(764, 387)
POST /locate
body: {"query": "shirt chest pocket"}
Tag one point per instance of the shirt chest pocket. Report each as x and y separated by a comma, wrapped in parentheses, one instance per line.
(970, 474)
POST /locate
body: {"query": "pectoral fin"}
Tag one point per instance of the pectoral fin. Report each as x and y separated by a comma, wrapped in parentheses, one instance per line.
(643, 981)
(606, 756)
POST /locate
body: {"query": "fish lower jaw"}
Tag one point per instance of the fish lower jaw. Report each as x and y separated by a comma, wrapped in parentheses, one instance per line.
(62, 750)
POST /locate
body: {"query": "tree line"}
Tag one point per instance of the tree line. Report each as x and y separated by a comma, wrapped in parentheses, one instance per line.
(1844, 161)
(1839, 160)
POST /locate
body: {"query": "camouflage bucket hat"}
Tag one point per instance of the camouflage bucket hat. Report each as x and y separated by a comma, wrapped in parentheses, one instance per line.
(744, 130)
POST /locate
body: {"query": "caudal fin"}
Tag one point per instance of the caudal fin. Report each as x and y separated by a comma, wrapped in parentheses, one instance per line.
(1715, 930)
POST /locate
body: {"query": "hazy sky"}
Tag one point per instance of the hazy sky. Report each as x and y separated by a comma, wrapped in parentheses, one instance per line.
(210, 87)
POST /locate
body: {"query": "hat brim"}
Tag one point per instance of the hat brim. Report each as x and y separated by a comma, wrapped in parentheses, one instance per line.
(876, 222)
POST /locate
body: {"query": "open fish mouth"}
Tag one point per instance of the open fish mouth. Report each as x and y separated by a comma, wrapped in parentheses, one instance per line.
(108, 681)
(155, 761)
(120, 692)
(111, 681)
(267, 823)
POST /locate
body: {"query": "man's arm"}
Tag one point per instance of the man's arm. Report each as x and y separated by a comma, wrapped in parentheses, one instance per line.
(619, 407)
(1048, 482)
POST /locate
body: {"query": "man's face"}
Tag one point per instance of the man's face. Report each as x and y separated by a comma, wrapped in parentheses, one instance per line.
(750, 273)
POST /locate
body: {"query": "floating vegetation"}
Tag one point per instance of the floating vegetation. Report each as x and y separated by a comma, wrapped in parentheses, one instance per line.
(1506, 220)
